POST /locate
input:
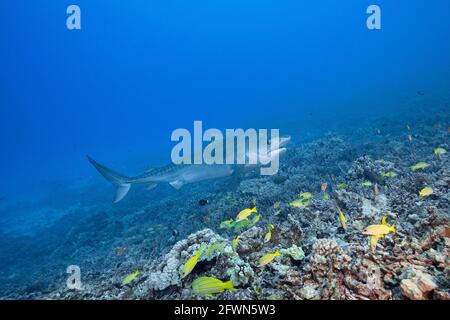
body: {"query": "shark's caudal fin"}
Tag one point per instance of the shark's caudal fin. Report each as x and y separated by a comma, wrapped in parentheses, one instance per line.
(118, 180)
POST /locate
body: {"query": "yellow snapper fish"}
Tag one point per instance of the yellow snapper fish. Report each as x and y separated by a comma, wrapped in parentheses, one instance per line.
(244, 214)
(425, 192)
(306, 195)
(373, 240)
(419, 166)
(300, 203)
(439, 152)
(256, 218)
(129, 278)
(268, 235)
(366, 184)
(209, 285)
(216, 246)
(267, 258)
(378, 230)
(389, 174)
(342, 219)
(235, 243)
(226, 224)
(246, 223)
(192, 262)
(341, 186)
(240, 225)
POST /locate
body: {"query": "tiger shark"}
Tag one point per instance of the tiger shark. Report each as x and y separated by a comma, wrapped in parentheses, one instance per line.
(178, 175)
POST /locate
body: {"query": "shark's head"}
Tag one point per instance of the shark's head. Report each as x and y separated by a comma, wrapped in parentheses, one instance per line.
(279, 143)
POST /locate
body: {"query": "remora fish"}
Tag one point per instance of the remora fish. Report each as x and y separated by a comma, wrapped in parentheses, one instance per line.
(176, 175)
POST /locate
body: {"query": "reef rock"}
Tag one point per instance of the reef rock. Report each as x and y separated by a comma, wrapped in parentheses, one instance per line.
(294, 252)
(418, 285)
(250, 240)
(327, 258)
(371, 209)
(327, 266)
(410, 290)
(309, 292)
(239, 271)
(167, 272)
(368, 169)
(264, 188)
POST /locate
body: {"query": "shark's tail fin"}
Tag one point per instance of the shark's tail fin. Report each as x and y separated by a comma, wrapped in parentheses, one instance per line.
(120, 181)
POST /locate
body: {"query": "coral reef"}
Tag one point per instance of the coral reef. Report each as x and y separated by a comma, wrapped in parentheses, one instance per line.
(368, 177)
(294, 252)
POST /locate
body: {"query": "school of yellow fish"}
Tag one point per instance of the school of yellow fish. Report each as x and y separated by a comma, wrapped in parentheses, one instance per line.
(207, 286)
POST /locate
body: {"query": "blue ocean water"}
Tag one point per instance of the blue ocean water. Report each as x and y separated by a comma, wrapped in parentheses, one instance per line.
(137, 70)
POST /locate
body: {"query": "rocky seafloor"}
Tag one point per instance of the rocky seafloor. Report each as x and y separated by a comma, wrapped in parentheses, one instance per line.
(320, 259)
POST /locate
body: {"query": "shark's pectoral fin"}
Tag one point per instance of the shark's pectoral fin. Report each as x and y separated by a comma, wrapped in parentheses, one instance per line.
(177, 184)
(121, 192)
(151, 186)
